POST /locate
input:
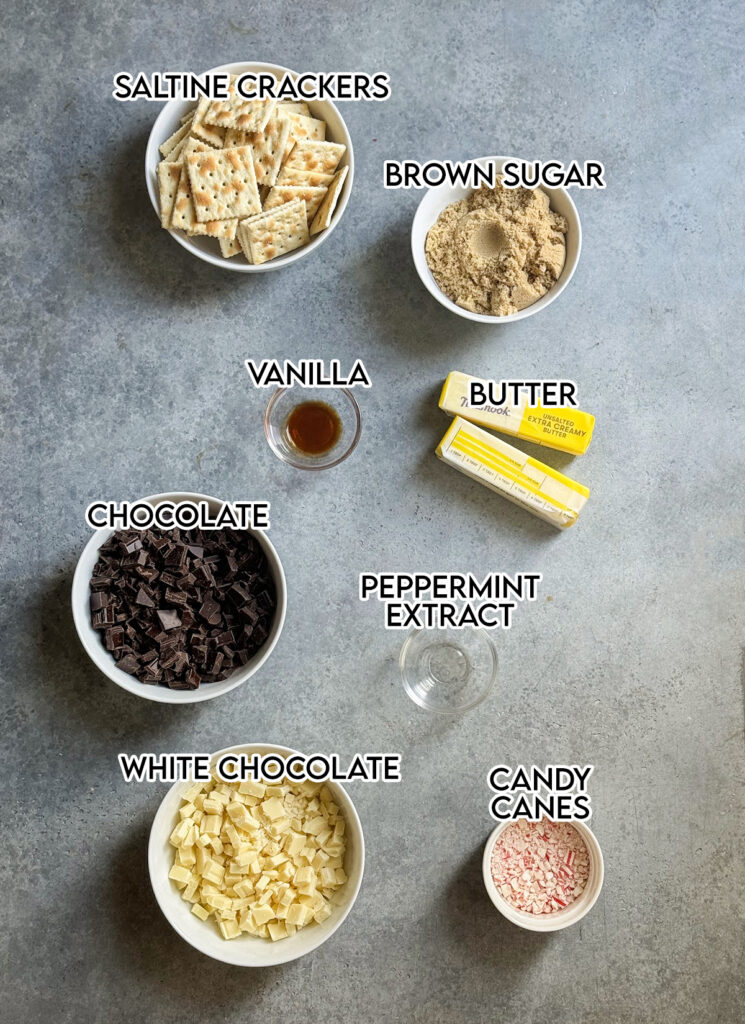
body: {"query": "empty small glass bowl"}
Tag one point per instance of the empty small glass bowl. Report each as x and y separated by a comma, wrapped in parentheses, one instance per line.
(448, 671)
(285, 400)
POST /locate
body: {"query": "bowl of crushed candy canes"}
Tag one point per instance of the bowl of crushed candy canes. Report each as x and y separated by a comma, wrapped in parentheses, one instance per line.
(543, 875)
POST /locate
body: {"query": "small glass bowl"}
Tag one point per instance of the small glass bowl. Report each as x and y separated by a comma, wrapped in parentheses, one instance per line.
(448, 671)
(281, 404)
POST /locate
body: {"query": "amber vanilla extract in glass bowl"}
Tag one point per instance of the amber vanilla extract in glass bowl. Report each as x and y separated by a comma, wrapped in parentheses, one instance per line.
(312, 428)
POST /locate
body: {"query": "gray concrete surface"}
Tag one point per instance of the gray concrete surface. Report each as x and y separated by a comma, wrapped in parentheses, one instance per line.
(122, 361)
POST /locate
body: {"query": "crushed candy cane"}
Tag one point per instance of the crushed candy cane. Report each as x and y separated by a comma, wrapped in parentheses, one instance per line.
(540, 866)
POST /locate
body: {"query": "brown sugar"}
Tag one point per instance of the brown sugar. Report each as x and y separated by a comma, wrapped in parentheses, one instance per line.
(497, 251)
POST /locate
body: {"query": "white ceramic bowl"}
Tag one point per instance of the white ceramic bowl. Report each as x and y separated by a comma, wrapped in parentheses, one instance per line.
(91, 640)
(249, 950)
(560, 918)
(168, 121)
(434, 202)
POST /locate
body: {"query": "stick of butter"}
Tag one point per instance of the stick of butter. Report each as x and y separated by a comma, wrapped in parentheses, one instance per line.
(511, 473)
(565, 428)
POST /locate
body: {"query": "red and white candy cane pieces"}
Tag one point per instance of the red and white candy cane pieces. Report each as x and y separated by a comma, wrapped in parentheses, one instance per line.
(540, 867)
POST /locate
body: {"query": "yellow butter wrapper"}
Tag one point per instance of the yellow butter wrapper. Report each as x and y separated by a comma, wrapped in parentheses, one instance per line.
(513, 474)
(565, 429)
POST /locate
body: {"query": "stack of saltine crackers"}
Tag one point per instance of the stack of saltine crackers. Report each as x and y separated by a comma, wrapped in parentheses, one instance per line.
(257, 175)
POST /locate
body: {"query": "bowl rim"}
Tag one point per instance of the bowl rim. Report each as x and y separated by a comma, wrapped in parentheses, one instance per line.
(277, 395)
(156, 838)
(162, 694)
(427, 279)
(561, 918)
(156, 137)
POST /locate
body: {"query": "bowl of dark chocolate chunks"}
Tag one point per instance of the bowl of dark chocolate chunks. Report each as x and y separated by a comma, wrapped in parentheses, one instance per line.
(179, 616)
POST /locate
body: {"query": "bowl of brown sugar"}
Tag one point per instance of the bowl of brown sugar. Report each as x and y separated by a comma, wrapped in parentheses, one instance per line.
(495, 255)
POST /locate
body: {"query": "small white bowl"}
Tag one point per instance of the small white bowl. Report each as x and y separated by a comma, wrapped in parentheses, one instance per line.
(434, 202)
(249, 950)
(560, 918)
(91, 640)
(168, 121)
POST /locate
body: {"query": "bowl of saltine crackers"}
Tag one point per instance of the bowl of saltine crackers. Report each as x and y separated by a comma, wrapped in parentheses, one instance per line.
(249, 185)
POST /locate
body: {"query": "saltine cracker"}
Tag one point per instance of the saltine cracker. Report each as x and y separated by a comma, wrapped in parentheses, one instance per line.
(282, 194)
(294, 176)
(223, 183)
(236, 112)
(173, 140)
(268, 146)
(293, 107)
(184, 217)
(168, 179)
(326, 210)
(274, 233)
(311, 155)
(206, 132)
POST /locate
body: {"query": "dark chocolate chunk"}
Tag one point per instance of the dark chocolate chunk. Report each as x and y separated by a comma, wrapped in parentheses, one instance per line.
(188, 682)
(250, 612)
(259, 635)
(129, 663)
(238, 594)
(180, 663)
(176, 556)
(147, 572)
(168, 656)
(103, 617)
(209, 609)
(113, 638)
(169, 619)
(204, 575)
(144, 598)
(200, 653)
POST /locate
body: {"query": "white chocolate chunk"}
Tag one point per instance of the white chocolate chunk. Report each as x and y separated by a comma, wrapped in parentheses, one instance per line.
(252, 788)
(262, 914)
(228, 929)
(277, 930)
(179, 874)
(273, 808)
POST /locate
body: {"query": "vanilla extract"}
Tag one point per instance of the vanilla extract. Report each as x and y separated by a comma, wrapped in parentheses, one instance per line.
(313, 428)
